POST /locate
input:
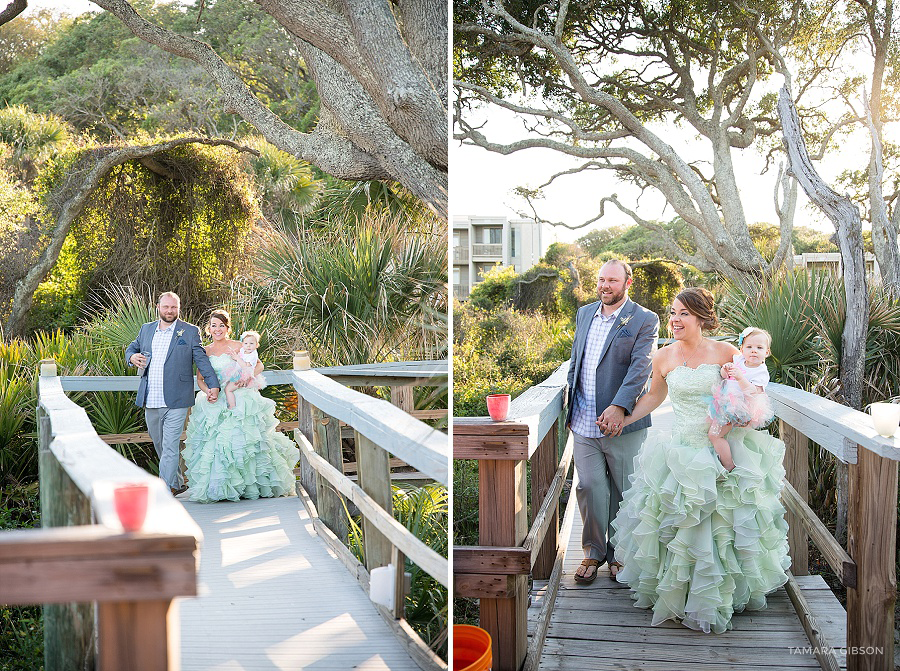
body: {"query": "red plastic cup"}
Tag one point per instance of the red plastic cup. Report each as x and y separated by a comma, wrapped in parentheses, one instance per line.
(131, 505)
(498, 406)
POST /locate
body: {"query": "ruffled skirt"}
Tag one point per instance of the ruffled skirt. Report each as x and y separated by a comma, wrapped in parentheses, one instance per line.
(730, 405)
(699, 543)
(235, 454)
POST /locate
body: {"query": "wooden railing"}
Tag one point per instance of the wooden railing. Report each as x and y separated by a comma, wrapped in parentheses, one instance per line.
(868, 567)
(381, 429)
(97, 582)
(496, 571)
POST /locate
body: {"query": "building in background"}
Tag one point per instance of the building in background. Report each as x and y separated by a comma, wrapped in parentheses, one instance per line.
(480, 243)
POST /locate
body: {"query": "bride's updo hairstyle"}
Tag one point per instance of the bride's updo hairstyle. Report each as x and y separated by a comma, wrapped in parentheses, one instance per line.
(222, 315)
(699, 302)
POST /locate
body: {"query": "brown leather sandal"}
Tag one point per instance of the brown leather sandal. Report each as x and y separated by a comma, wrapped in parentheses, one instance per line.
(617, 566)
(587, 571)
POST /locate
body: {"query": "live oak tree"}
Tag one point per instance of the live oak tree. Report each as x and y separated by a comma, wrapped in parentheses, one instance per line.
(601, 81)
(380, 73)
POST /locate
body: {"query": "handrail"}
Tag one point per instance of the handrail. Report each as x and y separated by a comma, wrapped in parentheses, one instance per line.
(495, 570)
(407, 438)
(131, 577)
(867, 568)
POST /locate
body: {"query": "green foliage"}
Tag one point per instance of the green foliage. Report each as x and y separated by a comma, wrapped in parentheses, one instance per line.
(369, 292)
(496, 288)
(21, 627)
(655, 286)
(105, 81)
(185, 230)
(503, 351)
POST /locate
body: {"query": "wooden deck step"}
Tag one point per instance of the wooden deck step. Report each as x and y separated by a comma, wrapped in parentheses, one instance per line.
(272, 596)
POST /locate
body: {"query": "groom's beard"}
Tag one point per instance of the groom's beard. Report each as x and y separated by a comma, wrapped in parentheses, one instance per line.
(613, 299)
(165, 319)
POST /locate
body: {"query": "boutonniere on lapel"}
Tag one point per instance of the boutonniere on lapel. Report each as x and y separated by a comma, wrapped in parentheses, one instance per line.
(622, 323)
(180, 332)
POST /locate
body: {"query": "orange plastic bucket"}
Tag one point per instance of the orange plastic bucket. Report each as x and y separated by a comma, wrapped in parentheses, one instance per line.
(471, 648)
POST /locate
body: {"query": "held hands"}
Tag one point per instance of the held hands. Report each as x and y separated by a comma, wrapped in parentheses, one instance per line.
(612, 421)
(212, 395)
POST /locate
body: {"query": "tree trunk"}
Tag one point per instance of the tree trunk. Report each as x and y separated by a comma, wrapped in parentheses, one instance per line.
(845, 217)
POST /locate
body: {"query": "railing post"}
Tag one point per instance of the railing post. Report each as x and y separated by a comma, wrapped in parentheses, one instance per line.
(68, 627)
(327, 443)
(403, 398)
(796, 466)
(503, 522)
(307, 474)
(544, 463)
(134, 635)
(374, 477)
(872, 526)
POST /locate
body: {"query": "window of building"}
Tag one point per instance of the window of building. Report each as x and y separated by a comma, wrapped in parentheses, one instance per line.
(456, 276)
(512, 242)
(493, 236)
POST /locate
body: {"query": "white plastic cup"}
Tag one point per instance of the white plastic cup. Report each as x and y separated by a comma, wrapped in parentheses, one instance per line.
(885, 418)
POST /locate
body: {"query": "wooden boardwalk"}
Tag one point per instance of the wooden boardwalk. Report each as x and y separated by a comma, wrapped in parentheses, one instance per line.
(272, 596)
(596, 626)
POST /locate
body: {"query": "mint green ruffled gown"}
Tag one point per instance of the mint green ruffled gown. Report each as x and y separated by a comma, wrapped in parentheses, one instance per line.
(699, 543)
(237, 454)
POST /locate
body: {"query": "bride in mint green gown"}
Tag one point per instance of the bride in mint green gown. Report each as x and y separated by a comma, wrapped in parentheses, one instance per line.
(699, 543)
(235, 454)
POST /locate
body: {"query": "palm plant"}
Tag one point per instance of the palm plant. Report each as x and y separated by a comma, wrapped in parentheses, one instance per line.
(31, 137)
(287, 186)
(371, 294)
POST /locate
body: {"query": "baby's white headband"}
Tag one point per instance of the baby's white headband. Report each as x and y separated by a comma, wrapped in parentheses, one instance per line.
(747, 331)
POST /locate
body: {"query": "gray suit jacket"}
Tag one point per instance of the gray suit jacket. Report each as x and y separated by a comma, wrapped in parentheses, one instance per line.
(623, 374)
(185, 350)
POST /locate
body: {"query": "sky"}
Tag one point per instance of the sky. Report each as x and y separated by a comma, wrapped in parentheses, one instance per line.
(72, 7)
(481, 182)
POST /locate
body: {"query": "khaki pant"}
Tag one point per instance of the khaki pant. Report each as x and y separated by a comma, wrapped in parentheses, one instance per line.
(166, 426)
(604, 466)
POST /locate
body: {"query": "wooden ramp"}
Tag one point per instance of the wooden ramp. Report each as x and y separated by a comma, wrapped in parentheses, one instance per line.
(596, 626)
(272, 596)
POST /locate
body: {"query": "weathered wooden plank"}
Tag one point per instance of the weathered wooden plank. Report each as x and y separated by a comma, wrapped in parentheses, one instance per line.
(796, 466)
(403, 398)
(468, 446)
(538, 541)
(76, 542)
(493, 560)
(484, 586)
(375, 480)
(872, 532)
(549, 596)
(137, 636)
(834, 554)
(416, 443)
(327, 445)
(503, 521)
(818, 415)
(429, 560)
(753, 638)
(827, 659)
(602, 618)
(637, 655)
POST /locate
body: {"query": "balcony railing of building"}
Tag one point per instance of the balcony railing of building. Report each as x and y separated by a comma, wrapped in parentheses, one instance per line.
(487, 250)
(460, 255)
(461, 290)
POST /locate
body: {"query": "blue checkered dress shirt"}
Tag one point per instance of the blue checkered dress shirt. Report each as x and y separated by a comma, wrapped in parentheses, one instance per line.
(584, 415)
(160, 348)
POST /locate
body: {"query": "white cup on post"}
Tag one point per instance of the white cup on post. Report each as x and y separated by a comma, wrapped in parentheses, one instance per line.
(885, 418)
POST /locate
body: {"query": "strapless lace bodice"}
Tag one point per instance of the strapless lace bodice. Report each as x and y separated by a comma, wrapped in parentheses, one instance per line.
(690, 390)
(220, 362)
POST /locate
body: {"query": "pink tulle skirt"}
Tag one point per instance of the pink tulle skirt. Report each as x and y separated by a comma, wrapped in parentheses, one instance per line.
(730, 405)
(238, 373)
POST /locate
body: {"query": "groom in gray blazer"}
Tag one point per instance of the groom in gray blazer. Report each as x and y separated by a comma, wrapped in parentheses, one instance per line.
(608, 372)
(166, 351)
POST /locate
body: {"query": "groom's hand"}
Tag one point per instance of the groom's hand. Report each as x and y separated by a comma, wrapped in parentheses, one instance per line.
(212, 395)
(612, 421)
